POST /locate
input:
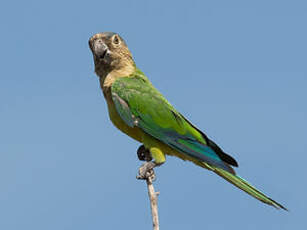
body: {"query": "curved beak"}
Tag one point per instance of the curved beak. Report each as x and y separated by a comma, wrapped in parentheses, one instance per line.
(99, 48)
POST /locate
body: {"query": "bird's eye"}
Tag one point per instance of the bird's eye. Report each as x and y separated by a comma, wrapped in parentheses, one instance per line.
(116, 39)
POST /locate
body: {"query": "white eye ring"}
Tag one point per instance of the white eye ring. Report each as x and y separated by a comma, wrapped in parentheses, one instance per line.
(116, 40)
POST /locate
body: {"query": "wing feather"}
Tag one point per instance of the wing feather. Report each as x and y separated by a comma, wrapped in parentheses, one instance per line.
(140, 104)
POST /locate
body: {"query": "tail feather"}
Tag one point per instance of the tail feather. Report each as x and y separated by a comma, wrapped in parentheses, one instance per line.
(245, 186)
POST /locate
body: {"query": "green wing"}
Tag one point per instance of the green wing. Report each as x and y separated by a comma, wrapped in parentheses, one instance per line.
(140, 104)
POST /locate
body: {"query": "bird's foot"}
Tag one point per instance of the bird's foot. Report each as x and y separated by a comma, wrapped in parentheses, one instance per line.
(144, 154)
(146, 171)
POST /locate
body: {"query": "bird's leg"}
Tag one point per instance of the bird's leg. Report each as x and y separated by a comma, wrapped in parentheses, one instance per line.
(146, 170)
(144, 154)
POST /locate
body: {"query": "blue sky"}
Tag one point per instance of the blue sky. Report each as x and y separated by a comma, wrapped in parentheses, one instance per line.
(236, 69)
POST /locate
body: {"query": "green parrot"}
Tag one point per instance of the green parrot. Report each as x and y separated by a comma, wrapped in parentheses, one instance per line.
(139, 110)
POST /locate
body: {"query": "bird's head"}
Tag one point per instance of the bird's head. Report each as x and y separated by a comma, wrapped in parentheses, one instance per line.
(110, 52)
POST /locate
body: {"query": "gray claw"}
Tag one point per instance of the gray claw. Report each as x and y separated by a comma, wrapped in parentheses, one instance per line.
(146, 171)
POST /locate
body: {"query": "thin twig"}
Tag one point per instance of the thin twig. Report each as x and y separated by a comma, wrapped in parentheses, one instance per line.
(153, 198)
(147, 173)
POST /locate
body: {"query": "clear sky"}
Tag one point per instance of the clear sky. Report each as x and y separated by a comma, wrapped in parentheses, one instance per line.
(236, 69)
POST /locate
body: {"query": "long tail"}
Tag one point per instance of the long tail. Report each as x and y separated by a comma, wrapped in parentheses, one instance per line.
(245, 186)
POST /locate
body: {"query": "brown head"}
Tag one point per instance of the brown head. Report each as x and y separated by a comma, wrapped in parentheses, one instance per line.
(110, 53)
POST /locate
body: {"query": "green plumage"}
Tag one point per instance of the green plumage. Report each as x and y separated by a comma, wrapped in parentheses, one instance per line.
(138, 109)
(246, 187)
(142, 105)
(151, 112)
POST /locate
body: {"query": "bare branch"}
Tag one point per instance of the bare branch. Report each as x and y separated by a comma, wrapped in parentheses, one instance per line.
(153, 198)
(146, 172)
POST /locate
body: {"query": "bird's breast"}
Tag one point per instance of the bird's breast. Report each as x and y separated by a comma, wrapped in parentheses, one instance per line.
(118, 122)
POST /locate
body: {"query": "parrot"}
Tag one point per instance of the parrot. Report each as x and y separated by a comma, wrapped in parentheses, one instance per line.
(140, 111)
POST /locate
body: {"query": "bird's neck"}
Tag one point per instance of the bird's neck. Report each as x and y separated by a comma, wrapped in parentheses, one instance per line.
(108, 78)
